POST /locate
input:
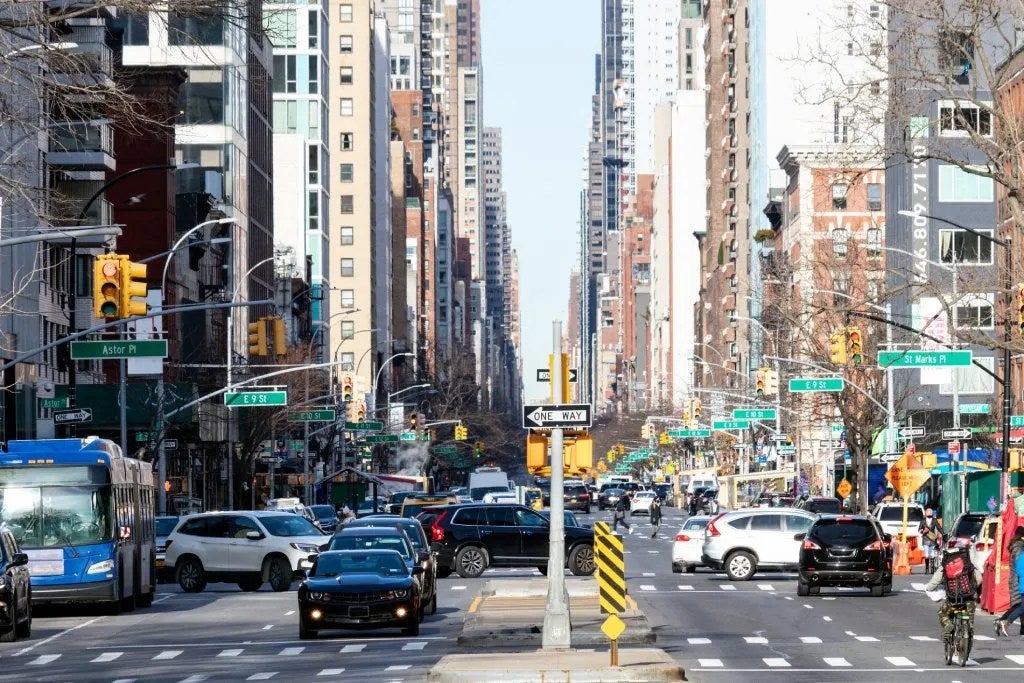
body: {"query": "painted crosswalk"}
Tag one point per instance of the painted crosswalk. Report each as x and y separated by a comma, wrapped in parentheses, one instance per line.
(873, 662)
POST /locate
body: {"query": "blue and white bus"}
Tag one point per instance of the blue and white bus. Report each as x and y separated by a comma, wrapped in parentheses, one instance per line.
(84, 514)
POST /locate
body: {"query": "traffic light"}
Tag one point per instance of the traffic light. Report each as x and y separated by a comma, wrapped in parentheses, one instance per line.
(695, 412)
(461, 433)
(478, 449)
(1020, 308)
(663, 438)
(837, 348)
(279, 336)
(258, 338)
(536, 451)
(856, 342)
(645, 431)
(759, 382)
(686, 417)
(413, 421)
(771, 382)
(351, 412)
(106, 286)
(133, 285)
(346, 389)
(360, 411)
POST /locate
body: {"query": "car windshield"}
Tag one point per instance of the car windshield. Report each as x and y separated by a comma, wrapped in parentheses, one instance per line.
(855, 532)
(613, 492)
(289, 525)
(370, 542)
(410, 530)
(696, 523)
(824, 505)
(894, 513)
(58, 516)
(967, 526)
(323, 512)
(333, 564)
(165, 525)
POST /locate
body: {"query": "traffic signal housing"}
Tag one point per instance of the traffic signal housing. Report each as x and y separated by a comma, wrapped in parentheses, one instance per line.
(133, 285)
(106, 286)
(837, 348)
(695, 412)
(279, 336)
(760, 382)
(1020, 308)
(258, 338)
(462, 432)
(478, 449)
(771, 383)
(414, 420)
(856, 342)
(347, 392)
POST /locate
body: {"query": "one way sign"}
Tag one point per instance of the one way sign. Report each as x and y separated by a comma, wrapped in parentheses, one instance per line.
(544, 375)
(556, 416)
(61, 417)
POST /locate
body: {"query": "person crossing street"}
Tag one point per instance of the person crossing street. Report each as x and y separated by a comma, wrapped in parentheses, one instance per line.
(655, 517)
(619, 516)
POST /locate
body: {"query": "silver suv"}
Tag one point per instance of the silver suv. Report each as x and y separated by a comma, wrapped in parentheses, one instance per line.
(743, 541)
(249, 548)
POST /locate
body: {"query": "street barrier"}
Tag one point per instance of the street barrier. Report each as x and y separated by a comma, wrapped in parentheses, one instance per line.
(611, 583)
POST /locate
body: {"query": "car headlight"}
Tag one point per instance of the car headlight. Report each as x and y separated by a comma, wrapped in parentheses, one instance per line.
(316, 595)
(100, 567)
(306, 547)
(401, 594)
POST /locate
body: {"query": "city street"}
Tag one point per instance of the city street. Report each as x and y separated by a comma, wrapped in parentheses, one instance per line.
(718, 630)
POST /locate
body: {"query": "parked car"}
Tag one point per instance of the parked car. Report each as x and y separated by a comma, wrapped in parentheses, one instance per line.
(470, 538)
(641, 502)
(576, 496)
(983, 543)
(248, 547)
(965, 528)
(326, 518)
(414, 530)
(609, 497)
(570, 518)
(361, 538)
(828, 505)
(890, 516)
(686, 549)
(164, 526)
(15, 589)
(415, 504)
(359, 590)
(848, 550)
(744, 541)
(664, 492)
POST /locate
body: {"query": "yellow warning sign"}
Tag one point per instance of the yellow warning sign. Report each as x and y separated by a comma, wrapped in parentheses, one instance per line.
(844, 488)
(906, 475)
(613, 627)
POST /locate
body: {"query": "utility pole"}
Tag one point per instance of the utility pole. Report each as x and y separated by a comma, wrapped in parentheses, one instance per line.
(556, 634)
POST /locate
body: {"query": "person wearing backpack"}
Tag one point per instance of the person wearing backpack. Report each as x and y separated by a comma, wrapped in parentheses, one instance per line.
(956, 575)
(1016, 585)
(931, 532)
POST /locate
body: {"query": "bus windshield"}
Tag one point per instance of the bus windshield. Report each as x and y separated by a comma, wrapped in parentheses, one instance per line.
(57, 516)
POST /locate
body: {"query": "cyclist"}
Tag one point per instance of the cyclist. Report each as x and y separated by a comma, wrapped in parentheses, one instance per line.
(956, 575)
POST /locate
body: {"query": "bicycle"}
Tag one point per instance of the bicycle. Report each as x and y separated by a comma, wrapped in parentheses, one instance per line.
(961, 639)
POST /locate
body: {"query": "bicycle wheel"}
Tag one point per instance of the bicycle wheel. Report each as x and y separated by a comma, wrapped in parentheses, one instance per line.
(947, 644)
(965, 642)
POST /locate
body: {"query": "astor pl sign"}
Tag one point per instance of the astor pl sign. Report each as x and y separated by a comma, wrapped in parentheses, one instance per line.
(555, 416)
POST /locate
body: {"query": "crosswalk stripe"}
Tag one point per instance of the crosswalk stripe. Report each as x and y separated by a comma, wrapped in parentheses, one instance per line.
(765, 587)
(926, 639)
(197, 678)
(698, 641)
(648, 573)
(727, 587)
(978, 636)
(648, 587)
(291, 651)
(331, 672)
(43, 659)
(836, 661)
(755, 640)
(398, 667)
(1016, 659)
(168, 654)
(262, 676)
(106, 657)
(810, 639)
(899, 661)
(685, 588)
(867, 639)
(778, 662)
(417, 645)
(353, 648)
(709, 663)
(458, 588)
(234, 652)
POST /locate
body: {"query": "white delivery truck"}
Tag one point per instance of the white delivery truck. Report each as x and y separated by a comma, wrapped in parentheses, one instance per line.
(484, 480)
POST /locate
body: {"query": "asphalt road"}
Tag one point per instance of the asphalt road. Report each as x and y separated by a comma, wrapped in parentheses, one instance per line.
(718, 630)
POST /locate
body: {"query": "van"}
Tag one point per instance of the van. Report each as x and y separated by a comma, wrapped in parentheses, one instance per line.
(484, 480)
(293, 505)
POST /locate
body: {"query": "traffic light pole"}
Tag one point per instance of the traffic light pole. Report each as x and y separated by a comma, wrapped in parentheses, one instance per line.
(557, 626)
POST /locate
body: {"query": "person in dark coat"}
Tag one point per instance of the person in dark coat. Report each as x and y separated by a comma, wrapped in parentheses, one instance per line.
(1016, 548)
(619, 516)
(655, 517)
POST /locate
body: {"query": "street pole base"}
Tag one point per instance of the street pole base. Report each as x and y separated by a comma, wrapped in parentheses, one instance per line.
(557, 630)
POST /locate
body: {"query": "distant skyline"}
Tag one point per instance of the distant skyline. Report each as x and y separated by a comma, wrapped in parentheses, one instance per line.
(538, 78)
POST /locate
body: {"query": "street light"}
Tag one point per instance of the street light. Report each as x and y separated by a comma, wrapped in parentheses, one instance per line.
(1008, 295)
(376, 379)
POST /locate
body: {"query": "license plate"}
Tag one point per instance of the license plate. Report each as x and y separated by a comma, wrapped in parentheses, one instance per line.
(159, 563)
(359, 611)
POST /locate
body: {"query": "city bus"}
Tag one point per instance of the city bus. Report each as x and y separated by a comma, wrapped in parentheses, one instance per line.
(84, 514)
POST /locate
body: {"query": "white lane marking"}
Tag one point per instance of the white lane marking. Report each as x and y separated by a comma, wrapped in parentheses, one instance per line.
(867, 639)
(827, 618)
(398, 667)
(789, 597)
(709, 663)
(194, 679)
(262, 676)
(628, 552)
(353, 648)
(165, 597)
(836, 661)
(648, 587)
(810, 639)
(685, 588)
(698, 641)
(331, 672)
(917, 586)
(978, 636)
(899, 661)
(775, 661)
(727, 587)
(755, 640)
(765, 587)
(268, 627)
(653, 552)
(1016, 659)
(43, 659)
(809, 606)
(850, 633)
(417, 645)
(230, 653)
(106, 657)
(828, 598)
(648, 573)
(289, 613)
(55, 636)
(291, 651)
(168, 654)
(926, 639)
(458, 588)
(125, 680)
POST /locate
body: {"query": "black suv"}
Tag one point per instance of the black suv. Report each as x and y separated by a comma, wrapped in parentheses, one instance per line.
(844, 551)
(469, 538)
(15, 591)
(827, 505)
(575, 495)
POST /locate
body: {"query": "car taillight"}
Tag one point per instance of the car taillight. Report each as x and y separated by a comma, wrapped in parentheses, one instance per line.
(436, 530)
(712, 530)
(953, 543)
(682, 537)
(810, 545)
(584, 496)
(981, 546)
(877, 545)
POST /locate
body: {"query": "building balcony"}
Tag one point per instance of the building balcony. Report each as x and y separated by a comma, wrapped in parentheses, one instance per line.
(81, 145)
(728, 203)
(727, 46)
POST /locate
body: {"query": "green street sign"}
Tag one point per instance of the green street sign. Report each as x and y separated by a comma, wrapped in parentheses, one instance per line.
(53, 403)
(312, 416)
(754, 414)
(142, 437)
(920, 358)
(977, 409)
(142, 348)
(731, 424)
(808, 384)
(645, 452)
(445, 450)
(381, 438)
(1017, 420)
(407, 436)
(237, 399)
(783, 448)
(689, 433)
(364, 426)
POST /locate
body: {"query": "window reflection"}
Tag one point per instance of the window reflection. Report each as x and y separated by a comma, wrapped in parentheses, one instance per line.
(57, 516)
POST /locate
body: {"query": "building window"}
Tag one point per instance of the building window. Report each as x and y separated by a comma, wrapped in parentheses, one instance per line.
(874, 197)
(839, 191)
(840, 290)
(874, 241)
(976, 312)
(344, 12)
(840, 238)
(346, 106)
(345, 73)
(347, 267)
(347, 173)
(963, 118)
(963, 247)
(348, 329)
(313, 164)
(348, 298)
(347, 142)
(284, 73)
(959, 185)
(347, 203)
(733, 350)
(345, 44)
(347, 236)
(313, 74)
(348, 361)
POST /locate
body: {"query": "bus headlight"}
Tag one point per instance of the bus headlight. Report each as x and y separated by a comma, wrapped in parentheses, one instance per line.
(100, 567)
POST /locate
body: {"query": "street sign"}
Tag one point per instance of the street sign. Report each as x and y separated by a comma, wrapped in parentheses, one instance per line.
(381, 438)
(754, 414)
(689, 433)
(844, 488)
(407, 436)
(1017, 420)
(786, 450)
(954, 447)
(910, 432)
(731, 424)
(807, 384)
(906, 475)
(445, 450)
(556, 416)
(890, 457)
(141, 348)
(53, 403)
(956, 433)
(255, 397)
(830, 443)
(780, 437)
(271, 459)
(613, 627)
(63, 417)
(974, 408)
(171, 444)
(312, 416)
(762, 459)
(364, 426)
(921, 358)
(544, 375)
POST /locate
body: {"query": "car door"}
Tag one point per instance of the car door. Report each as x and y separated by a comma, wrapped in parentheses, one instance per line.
(500, 534)
(535, 530)
(215, 544)
(246, 554)
(19, 576)
(765, 533)
(790, 548)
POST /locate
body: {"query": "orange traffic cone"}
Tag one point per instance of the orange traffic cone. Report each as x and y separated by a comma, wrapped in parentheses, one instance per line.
(901, 567)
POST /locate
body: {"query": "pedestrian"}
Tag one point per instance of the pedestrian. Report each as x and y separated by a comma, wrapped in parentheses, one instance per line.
(655, 517)
(1016, 584)
(347, 515)
(931, 534)
(619, 516)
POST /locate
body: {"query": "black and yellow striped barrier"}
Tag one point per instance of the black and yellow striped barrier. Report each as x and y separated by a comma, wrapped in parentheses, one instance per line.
(611, 569)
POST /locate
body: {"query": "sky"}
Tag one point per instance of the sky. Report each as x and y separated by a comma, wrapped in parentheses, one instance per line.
(538, 75)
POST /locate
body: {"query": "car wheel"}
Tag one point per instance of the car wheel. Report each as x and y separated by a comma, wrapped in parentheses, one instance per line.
(803, 589)
(470, 562)
(306, 633)
(581, 560)
(815, 590)
(691, 568)
(444, 572)
(191, 577)
(677, 569)
(250, 585)
(280, 574)
(432, 609)
(24, 629)
(413, 628)
(740, 566)
(10, 635)
(877, 591)
(146, 599)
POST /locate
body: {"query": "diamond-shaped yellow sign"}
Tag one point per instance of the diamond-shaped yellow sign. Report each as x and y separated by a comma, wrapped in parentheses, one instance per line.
(613, 627)
(906, 475)
(844, 488)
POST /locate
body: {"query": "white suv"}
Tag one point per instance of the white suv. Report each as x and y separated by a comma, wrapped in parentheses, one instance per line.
(890, 517)
(743, 541)
(243, 547)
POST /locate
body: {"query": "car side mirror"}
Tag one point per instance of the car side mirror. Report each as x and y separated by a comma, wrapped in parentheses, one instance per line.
(313, 558)
(799, 537)
(19, 559)
(417, 570)
(253, 535)
(423, 555)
